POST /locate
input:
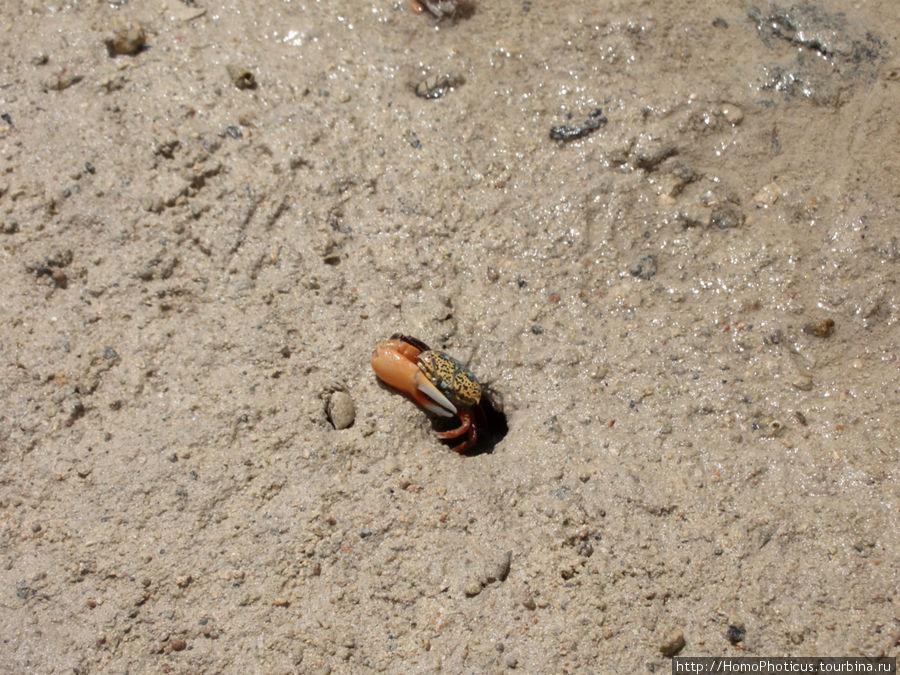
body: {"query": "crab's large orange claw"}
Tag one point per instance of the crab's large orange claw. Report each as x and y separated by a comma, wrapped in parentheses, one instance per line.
(394, 362)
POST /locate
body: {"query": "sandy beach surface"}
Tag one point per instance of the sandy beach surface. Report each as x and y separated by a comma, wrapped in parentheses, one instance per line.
(665, 234)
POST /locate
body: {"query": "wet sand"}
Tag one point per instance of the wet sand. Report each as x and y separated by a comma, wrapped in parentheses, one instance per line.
(686, 300)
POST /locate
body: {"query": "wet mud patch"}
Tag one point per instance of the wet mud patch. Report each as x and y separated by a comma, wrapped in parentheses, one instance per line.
(815, 28)
(829, 45)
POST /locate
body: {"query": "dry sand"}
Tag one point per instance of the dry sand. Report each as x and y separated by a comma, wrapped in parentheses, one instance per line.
(191, 269)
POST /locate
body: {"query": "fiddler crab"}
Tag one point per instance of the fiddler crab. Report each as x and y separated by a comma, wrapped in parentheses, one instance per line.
(441, 385)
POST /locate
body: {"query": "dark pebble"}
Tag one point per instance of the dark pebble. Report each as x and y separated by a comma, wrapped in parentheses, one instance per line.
(650, 158)
(726, 217)
(569, 132)
(23, 592)
(822, 328)
(241, 77)
(127, 40)
(644, 268)
(736, 634)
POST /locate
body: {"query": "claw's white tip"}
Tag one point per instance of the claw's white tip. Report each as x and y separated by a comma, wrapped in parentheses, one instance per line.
(424, 385)
(438, 410)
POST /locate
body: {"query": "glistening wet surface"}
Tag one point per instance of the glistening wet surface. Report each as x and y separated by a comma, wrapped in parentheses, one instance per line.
(664, 234)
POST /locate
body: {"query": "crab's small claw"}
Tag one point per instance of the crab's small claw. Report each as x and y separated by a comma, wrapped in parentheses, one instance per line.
(466, 428)
(394, 362)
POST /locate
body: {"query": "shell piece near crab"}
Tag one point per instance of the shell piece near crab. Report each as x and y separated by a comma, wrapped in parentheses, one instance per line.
(394, 361)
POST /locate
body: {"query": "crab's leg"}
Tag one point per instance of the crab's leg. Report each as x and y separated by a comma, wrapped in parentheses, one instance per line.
(470, 439)
(465, 427)
(394, 362)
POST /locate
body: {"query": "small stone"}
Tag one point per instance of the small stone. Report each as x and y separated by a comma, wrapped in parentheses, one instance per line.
(673, 644)
(726, 217)
(647, 154)
(61, 80)
(127, 40)
(736, 633)
(771, 428)
(178, 644)
(341, 410)
(472, 589)
(436, 86)
(732, 114)
(59, 278)
(767, 195)
(241, 77)
(644, 268)
(822, 328)
(694, 216)
(499, 568)
(281, 601)
(529, 603)
(802, 382)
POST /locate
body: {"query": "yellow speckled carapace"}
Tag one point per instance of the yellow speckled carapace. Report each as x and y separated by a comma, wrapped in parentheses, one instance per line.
(454, 380)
